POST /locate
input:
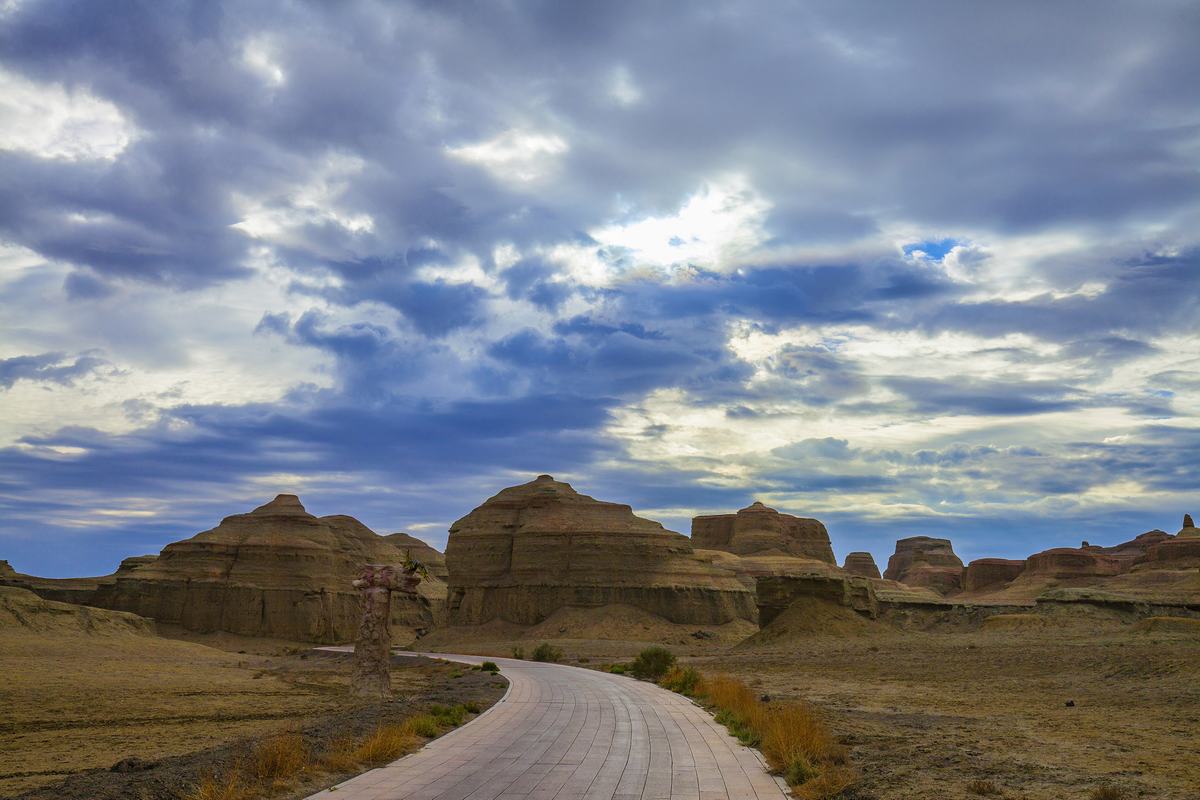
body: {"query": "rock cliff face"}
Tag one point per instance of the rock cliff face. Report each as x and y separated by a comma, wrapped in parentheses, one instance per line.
(862, 564)
(277, 571)
(1069, 562)
(759, 530)
(991, 573)
(1180, 550)
(541, 546)
(434, 561)
(925, 562)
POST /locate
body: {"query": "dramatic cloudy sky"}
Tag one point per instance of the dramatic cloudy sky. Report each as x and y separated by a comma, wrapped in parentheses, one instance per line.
(908, 268)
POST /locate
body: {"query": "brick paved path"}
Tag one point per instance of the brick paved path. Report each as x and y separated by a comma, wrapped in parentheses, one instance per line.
(566, 732)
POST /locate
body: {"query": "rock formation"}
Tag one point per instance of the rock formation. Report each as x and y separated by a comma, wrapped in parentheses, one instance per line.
(277, 571)
(1069, 562)
(541, 546)
(991, 573)
(1179, 551)
(1187, 522)
(925, 561)
(434, 561)
(862, 564)
(6, 570)
(373, 646)
(760, 530)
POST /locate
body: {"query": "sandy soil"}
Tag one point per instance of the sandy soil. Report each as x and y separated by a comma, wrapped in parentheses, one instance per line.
(927, 714)
(76, 703)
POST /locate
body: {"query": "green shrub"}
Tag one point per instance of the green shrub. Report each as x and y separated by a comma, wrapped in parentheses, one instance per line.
(616, 669)
(652, 663)
(519, 652)
(547, 652)
(472, 707)
(799, 771)
(451, 716)
(490, 666)
(683, 680)
(426, 725)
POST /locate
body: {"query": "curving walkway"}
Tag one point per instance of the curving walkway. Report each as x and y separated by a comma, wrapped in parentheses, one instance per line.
(566, 732)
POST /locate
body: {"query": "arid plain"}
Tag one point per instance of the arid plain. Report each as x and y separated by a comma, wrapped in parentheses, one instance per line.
(1072, 674)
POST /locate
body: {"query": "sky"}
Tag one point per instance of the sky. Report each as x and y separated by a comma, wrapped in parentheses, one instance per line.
(923, 268)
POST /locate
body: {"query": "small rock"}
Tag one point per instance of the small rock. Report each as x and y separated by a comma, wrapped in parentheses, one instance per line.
(766, 698)
(133, 764)
(1070, 704)
(702, 634)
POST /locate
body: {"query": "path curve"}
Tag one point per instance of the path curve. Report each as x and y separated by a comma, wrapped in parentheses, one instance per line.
(566, 732)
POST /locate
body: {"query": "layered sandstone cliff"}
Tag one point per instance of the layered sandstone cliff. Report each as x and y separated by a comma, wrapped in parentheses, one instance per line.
(541, 546)
(923, 561)
(277, 571)
(1182, 549)
(421, 551)
(763, 531)
(862, 564)
(991, 573)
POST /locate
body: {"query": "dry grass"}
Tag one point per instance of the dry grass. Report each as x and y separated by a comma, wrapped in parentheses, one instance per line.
(792, 738)
(279, 758)
(1108, 793)
(221, 787)
(983, 788)
(386, 743)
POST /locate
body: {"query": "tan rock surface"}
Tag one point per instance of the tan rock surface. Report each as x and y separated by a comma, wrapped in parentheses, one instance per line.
(541, 546)
(760, 530)
(277, 571)
(1069, 562)
(861, 563)
(924, 561)
(990, 573)
(422, 551)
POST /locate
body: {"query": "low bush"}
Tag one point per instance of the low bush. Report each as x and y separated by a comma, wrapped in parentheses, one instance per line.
(224, 787)
(652, 663)
(615, 669)
(472, 707)
(518, 652)
(490, 666)
(683, 680)
(547, 652)
(426, 725)
(451, 716)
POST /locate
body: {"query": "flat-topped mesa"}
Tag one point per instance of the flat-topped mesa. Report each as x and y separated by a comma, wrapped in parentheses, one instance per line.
(276, 571)
(421, 551)
(861, 563)
(991, 573)
(1070, 562)
(759, 530)
(541, 546)
(924, 561)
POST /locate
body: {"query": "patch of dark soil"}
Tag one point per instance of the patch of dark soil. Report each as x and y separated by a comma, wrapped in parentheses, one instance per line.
(131, 778)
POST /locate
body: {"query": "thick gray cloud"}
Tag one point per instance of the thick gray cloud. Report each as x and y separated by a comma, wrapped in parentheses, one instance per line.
(398, 244)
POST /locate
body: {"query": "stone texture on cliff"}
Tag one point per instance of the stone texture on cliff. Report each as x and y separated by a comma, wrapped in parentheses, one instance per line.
(990, 573)
(433, 560)
(760, 530)
(1069, 562)
(1179, 551)
(924, 561)
(277, 571)
(541, 546)
(862, 564)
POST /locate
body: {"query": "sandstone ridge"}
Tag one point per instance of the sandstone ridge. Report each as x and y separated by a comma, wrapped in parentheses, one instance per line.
(761, 530)
(541, 546)
(862, 564)
(923, 561)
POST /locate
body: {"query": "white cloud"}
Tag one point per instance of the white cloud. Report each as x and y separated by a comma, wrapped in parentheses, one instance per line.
(622, 88)
(517, 155)
(52, 121)
(260, 55)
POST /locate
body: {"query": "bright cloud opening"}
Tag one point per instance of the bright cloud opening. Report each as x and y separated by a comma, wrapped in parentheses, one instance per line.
(514, 155)
(52, 121)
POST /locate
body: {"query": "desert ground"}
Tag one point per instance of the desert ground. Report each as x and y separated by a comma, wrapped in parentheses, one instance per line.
(84, 689)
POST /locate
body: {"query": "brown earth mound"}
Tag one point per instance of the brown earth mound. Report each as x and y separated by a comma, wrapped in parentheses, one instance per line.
(988, 573)
(277, 571)
(861, 563)
(923, 561)
(760, 530)
(1015, 622)
(421, 551)
(23, 612)
(807, 617)
(541, 546)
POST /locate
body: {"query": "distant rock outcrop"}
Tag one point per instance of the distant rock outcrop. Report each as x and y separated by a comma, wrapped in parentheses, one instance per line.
(1187, 522)
(536, 548)
(277, 571)
(1069, 562)
(6, 570)
(434, 561)
(861, 563)
(760, 530)
(991, 573)
(923, 561)
(1179, 551)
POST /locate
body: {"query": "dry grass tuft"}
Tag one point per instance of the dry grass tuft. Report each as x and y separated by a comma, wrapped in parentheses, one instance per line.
(387, 743)
(224, 787)
(279, 758)
(1108, 793)
(790, 735)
